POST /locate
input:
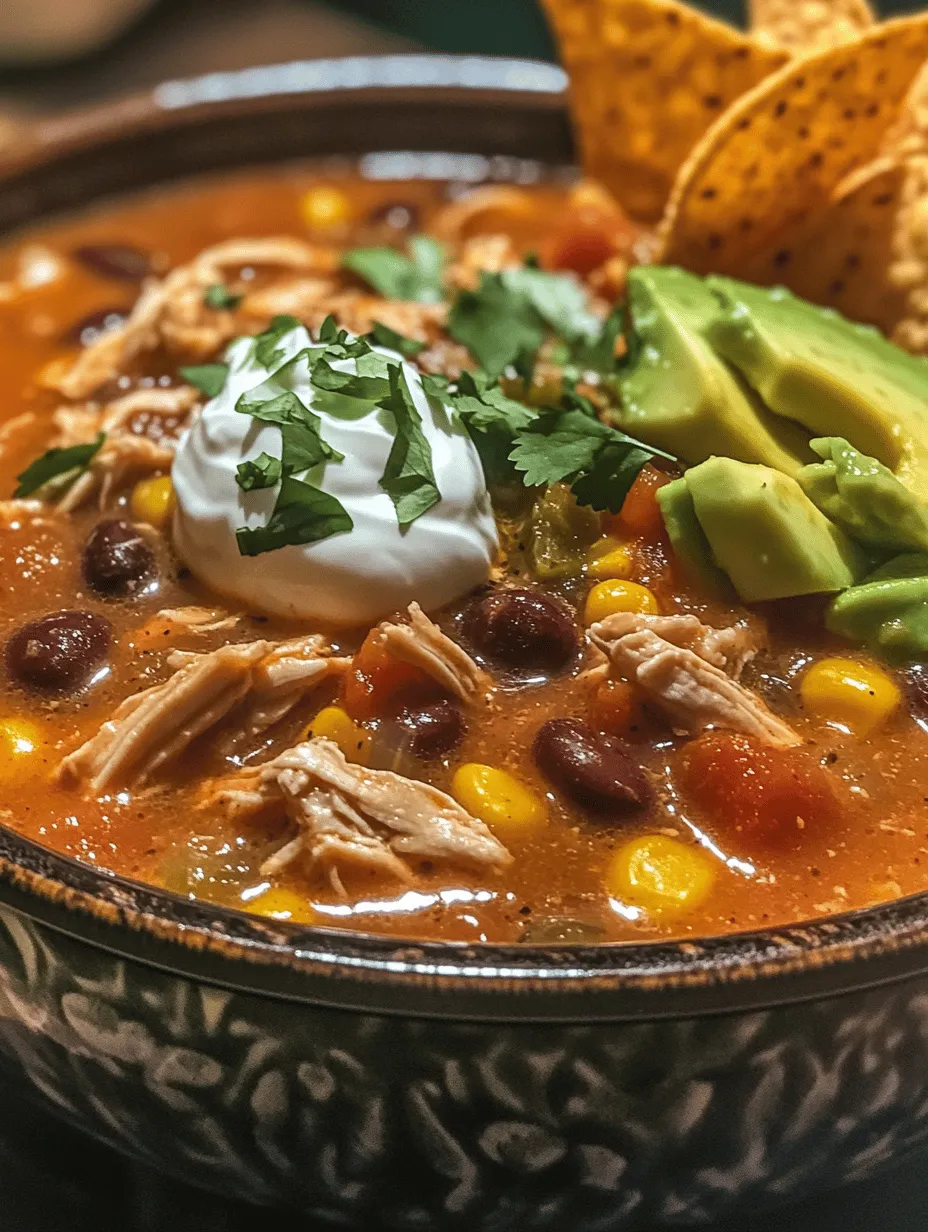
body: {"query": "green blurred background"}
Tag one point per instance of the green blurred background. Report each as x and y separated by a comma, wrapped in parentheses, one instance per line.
(506, 27)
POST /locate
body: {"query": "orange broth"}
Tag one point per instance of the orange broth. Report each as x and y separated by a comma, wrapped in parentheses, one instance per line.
(877, 849)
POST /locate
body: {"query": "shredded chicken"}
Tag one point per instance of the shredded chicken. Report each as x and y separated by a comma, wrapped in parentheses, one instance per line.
(264, 679)
(173, 311)
(349, 816)
(691, 671)
(198, 619)
(423, 644)
(125, 453)
(482, 254)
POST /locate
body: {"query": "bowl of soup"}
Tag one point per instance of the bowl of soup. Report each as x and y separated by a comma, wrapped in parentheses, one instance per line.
(463, 734)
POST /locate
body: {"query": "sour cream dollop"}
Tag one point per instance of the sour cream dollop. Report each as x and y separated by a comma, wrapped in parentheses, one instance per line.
(351, 578)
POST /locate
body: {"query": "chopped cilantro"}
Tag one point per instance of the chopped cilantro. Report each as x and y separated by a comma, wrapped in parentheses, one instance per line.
(220, 297)
(408, 477)
(418, 276)
(498, 326)
(209, 379)
(384, 336)
(557, 298)
(597, 353)
(303, 446)
(600, 463)
(368, 386)
(267, 351)
(260, 472)
(303, 514)
(55, 463)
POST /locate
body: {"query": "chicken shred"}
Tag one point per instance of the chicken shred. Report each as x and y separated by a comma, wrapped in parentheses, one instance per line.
(422, 644)
(152, 727)
(691, 671)
(349, 816)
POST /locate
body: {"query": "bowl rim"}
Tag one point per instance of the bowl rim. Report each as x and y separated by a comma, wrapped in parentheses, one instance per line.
(361, 971)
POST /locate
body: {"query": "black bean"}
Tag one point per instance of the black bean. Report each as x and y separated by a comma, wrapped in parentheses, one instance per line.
(60, 651)
(561, 930)
(522, 628)
(119, 261)
(594, 770)
(117, 560)
(399, 215)
(89, 328)
(435, 727)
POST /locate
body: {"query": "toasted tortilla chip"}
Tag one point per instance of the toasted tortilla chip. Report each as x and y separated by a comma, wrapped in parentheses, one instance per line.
(908, 273)
(648, 78)
(777, 157)
(804, 26)
(841, 258)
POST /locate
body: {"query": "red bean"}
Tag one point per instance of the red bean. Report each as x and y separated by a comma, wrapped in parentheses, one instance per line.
(89, 328)
(60, 652)
(436, 727)
(119, 261)
(595, 771)
(522, 628)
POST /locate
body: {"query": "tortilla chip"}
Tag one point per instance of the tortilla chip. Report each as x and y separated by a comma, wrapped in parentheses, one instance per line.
(777, 157)
(842, 257)
(648, 78)
(804, 26)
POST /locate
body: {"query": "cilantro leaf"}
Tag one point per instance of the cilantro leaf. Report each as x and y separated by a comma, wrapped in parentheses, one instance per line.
(368, 388)
(557, 298)
(384, 336)
(418, 276)
(611, 474)
(209, 379)
(600, 463)
(260, 472)
(303, 446)
(486, 407)
(303, 514)
(408, 477)
(597, 353)
(498, 325)
(557, 445)
(57, 462)
(220, 297)
(267, 351)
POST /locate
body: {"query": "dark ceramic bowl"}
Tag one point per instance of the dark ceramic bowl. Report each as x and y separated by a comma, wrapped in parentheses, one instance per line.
(435, 1086)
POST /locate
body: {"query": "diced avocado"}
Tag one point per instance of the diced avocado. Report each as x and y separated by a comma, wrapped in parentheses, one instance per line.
(688, 539)
(889, 611)
(836, 378)
(679, 395)
(767, 535)
(865, 499)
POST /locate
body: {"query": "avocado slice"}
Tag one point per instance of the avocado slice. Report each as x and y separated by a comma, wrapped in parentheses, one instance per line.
(865, 499)
(689, 542)
(767, 535)
(888, 612)
(836, 378)
(679, 395)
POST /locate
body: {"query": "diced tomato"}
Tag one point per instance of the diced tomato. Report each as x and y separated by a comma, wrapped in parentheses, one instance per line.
(741, 784)
(582, 247)
(376, 681)
(640, 516)
(616, 708)
(595, 229)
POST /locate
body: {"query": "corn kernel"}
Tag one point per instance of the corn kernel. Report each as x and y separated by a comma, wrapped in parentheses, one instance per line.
(616, 595)
(498, 799)
(334, 724)
(324, 206)
(152, 501)
(281, 904)
(607, 558)
(21, 745)
(845, 693)
(661, 874)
